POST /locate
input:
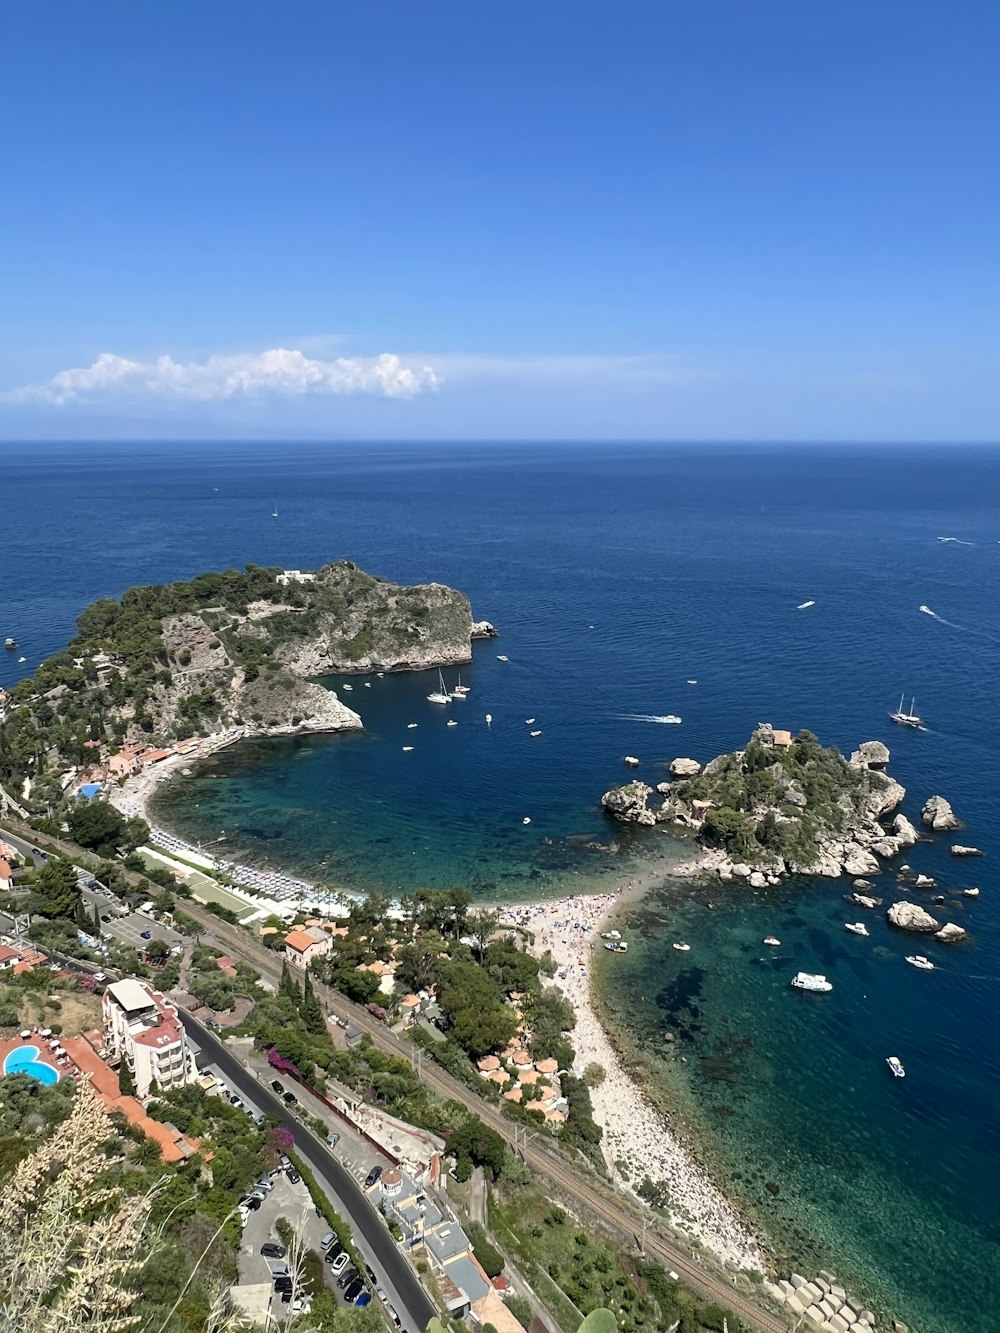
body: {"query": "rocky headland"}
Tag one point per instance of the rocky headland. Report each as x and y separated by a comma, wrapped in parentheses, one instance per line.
(783, 805)
(223, 656)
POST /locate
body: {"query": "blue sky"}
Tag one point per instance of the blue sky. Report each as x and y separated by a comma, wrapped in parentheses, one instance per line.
(685, 219)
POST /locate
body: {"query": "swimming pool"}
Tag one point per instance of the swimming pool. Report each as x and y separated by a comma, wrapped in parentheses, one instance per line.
(24, 1060)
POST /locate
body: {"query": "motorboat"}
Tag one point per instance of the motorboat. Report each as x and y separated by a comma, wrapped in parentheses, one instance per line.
(412, 726)
(692, 682)
(970, 893)
(811, 981)
(368, 684)
(526, 820)
(502, 657)
(616, 946)
(489, 719)
(347, 687)
(534, 733)
(910, 719)
(896, 1065)
(440, 695)
(9, 642)
(803, 605)
(407, 749)
(529, 721)
(460, 690)
(773, 941)
(672, 719)
(856, 927)
(681, 947)
(451, 723)
(918, 960)
(611, 935)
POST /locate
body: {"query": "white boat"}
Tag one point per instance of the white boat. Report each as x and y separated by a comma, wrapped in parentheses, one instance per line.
(411, 726)
(856, 927)
(681, 947)
(502, 657)
(529, 721)
(368, 684)
(525, 820)
(440, 695)
(773, 941)
(534, 733)
(22, 659)
(380, 674)
(407, 749)
(896, 1065)
(673, 719)
(451, 723)
(611, 935)
(460, 690)
(811, 981)
(971, 893)
(616, 946)
(910, 719)
(274, 512)
(631, 760)
(802, 605)
(489, 719)
(918, 960)
(9, 642)
(692, 682)
(347, 687)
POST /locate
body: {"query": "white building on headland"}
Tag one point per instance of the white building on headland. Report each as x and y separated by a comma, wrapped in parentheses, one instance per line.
(142, 1028)
(288, 576)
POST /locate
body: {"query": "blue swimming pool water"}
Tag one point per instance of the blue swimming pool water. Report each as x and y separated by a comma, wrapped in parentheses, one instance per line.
(24, 1060)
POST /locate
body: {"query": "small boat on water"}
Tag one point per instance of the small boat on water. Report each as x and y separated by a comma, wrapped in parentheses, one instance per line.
(856, 927)
(489, 719)
(616, 946)
(672, 719)
(525, 820)
(9, 642)
(380, 674)
(802, 605)
(529, 721)
(692, 682)
(407, 749)
(347, 687)
(773, 941)
(534, 733)
(919, 961)
(502, 657)
(814, 981)
(440, 695)
(611, 935)
(681, 947)
(460, 690)
(896, 1065)
(910, 719)
(411, 726)
(971, 893)
(451, 723)
(368, 684)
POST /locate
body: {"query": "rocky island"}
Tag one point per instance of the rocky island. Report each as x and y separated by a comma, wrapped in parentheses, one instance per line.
(783, 805)
(224, 655)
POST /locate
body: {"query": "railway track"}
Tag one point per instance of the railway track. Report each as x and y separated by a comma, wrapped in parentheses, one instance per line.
(616, 1213)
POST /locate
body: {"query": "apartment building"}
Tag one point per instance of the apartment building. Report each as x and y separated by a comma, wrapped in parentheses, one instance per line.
(142, 1028)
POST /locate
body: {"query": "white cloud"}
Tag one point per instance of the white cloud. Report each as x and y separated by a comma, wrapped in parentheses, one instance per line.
(282, 371)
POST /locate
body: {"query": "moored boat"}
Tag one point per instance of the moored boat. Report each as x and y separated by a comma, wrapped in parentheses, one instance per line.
(896, 1065)
(681, 947)
(856, 927)
(919, 961)
(440, 695)
(814, 981)
(772, 940)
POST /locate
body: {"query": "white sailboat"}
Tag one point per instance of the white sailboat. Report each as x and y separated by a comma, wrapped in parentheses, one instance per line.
(460, 690)
(910, 719)
(274, 511)
(440, 695)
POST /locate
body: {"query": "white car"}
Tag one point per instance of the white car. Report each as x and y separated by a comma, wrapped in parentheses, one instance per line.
(340, 1263)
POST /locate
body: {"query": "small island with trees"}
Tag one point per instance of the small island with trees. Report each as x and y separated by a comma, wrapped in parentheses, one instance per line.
(782, 805)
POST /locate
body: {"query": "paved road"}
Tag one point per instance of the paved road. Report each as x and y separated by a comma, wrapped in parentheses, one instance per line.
(370, 1233)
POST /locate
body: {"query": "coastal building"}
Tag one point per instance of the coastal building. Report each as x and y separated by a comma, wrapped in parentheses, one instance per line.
(6, 876)
(305, 944)
(782, 739)
(288, 576)
(142, 1028)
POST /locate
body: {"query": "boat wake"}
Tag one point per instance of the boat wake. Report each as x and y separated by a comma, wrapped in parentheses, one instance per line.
(666, 719)
(966, 629)
(957, 541)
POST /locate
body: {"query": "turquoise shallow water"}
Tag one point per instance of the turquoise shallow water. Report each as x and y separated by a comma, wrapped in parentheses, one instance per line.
(615, 574)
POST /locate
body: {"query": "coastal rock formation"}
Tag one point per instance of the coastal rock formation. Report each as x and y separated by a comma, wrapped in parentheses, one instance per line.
(910, 916)
(783, 805)
(629, 803)
(482, 629)
(224, 655)
(938, 814)
(950, 933)
(958, 850)
(864, 900)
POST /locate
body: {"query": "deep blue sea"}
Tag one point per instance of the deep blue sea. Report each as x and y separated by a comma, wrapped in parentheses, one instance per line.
(616, 574)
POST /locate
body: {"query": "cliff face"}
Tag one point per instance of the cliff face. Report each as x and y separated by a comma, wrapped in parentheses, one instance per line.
(238, 649)
(781, 806)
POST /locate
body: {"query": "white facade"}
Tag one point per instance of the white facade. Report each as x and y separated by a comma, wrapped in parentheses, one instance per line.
(142, 1028)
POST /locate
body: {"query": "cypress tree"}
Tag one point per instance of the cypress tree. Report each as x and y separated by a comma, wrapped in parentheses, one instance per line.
(312, 1010)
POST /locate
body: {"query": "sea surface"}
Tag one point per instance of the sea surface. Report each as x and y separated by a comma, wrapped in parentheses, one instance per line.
(616, 574)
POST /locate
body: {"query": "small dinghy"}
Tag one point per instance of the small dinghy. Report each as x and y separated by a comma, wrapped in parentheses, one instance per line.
(681, 947)
(773, 941)
(896, 1065)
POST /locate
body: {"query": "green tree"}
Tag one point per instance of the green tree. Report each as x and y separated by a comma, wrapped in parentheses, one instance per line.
(475, 1144)
(473, 1004)
(126, 1083)
(97, 825)
(57, 890)
(312, 1010)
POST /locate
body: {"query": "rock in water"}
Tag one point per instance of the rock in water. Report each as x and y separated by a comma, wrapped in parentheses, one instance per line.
(938, 814)
(685, 768)
(958, 850)
(628, 803)
(950, 934)
(904, 832)
(863, 900)
(910, 916)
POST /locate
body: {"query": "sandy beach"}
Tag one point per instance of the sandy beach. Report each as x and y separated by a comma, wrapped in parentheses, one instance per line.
(633, 1129)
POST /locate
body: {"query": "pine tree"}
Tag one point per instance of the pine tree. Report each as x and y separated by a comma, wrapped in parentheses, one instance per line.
(311, 1009)
(97, 921)
(126, 1083)
(288, 987)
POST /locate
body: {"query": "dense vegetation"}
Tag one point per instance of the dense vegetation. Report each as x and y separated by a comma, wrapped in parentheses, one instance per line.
(772, 802)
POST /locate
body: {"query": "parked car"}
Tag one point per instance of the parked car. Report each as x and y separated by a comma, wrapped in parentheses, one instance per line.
(327, 1240)
(272, 1250)
(252, 1202)
(371, 1274)
(264, 1183)
(340, 1263)
(354, 1290)
(334, 1251)
(364, 1297)
(392, 1314)
(284, 1162)
(280, 1270)
(347, 1277)
(382, 1296)
(292, 1175)
(290, 1099)
(372, 1176)
(276, 1085)
(333, 1140)
(146, 935)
